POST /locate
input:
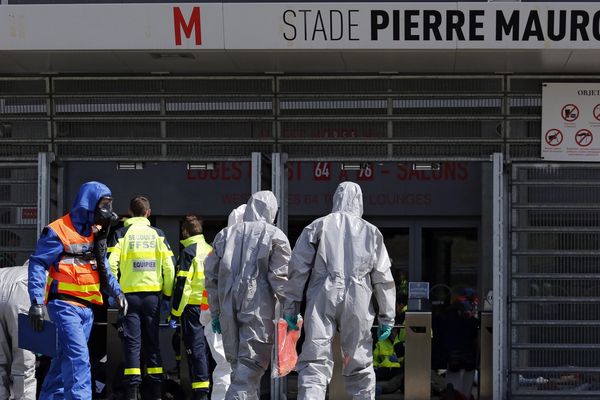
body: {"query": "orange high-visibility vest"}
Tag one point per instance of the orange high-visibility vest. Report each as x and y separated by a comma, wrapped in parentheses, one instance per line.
(75, 276)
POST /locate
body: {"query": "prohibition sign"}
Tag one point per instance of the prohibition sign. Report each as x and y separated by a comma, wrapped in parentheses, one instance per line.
(553, 137)
(570, 112)
(597, 112)
(584, 137)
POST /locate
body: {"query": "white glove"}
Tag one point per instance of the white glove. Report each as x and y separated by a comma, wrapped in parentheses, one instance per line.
(205, 318)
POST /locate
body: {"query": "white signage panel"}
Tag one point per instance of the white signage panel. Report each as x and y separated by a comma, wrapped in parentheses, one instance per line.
(152, 27)
(571, 121)
(301, 26)
(411, 26)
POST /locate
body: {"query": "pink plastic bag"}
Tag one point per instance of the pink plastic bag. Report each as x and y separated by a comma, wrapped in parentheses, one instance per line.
(286, 348)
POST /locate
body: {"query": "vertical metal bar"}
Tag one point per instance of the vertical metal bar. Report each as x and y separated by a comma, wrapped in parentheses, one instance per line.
(499, 277)
(279, 183)
(390, 123)
(163, 122)
(43, 188)
(279, 179)
(256, 172)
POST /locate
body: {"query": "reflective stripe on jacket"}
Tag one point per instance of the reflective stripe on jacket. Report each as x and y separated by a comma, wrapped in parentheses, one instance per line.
(74, 276)
(189, 282)
(141, 255)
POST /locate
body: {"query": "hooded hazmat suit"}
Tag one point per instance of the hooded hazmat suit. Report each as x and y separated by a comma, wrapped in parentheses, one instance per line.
(247, 269)
(17, 366)
(222, 372)
(69, 376)
(346, 261)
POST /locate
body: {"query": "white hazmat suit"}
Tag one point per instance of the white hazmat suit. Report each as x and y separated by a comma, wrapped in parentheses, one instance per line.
(222, 373)
(244, 273)
(346, 261)
(17, 366)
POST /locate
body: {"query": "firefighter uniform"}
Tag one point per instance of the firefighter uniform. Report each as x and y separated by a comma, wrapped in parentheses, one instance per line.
(141, 255)
(189, 299)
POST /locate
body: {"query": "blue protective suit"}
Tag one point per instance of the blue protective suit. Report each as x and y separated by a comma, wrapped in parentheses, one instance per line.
(69, 376)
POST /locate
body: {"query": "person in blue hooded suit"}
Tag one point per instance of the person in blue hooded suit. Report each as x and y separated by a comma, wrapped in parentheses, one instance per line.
(66, 275)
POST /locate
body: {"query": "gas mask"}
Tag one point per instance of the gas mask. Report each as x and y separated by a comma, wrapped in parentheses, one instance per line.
(104, 215)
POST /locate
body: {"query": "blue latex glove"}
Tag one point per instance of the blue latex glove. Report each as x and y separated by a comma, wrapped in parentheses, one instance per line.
(112, 302)
(384, 331)
(216, 325)
(173, 322)
(292, 321)
(393, 358)
(165, 306)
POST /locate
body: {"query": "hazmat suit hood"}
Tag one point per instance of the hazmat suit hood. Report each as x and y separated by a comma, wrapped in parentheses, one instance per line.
(237, 215)
(348, 199)
(82, 212)
(262, 206)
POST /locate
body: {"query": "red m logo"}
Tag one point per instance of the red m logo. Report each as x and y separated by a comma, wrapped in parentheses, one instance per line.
(193, 24)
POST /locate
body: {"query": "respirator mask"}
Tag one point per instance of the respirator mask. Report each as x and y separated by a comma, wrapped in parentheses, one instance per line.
(104, 215)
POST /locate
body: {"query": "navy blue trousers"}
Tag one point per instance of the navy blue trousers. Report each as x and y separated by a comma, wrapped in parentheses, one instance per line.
(196, 348)
(141, 336)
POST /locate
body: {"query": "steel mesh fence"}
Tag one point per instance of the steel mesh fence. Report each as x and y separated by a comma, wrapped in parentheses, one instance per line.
(554, 322)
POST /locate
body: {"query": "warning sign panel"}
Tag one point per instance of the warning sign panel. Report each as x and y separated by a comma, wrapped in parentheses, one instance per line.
(597, 112)
(554, 137)
(584, 137)
(570, 120)
(570, 112)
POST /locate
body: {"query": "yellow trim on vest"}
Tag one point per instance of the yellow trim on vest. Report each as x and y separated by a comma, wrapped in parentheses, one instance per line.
(155, 370)
(184, 273)
(132, 371)
(74, 287)
(140, 288)
(200, 385)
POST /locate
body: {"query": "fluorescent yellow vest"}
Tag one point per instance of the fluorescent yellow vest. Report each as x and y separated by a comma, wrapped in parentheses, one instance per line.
(141, 256)
(189, 282)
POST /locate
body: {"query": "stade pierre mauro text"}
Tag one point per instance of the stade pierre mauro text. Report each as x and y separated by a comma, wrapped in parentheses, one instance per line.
(517, 25)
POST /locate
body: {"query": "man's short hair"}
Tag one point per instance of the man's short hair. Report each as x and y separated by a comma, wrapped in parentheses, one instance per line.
(139, 206)
(192, 224)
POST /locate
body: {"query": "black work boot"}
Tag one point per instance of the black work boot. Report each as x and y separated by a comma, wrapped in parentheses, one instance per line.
(200, 395)
(450, 393)
(132, 393)
(156, 391)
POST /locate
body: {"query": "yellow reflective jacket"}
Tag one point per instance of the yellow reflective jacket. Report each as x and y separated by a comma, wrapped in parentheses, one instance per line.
(189, 282)
(384, 349)
(140, 255)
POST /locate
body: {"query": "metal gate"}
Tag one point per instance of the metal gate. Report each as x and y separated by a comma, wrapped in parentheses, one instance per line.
(554, 281)
(18, 212)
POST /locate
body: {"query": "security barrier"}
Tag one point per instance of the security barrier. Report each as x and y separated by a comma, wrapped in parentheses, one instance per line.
(554, 273)
(485, 356)
(417, 358)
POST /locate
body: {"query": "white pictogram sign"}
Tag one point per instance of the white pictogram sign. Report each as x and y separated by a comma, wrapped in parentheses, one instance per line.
(570, 121)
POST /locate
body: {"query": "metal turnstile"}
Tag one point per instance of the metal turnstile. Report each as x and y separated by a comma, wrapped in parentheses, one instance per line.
(417, 356)
(485, 359)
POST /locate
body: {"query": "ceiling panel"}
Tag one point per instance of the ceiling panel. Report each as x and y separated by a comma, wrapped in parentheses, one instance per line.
(585, 61)
(252, 62)
(519, 61)
(400, 61)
